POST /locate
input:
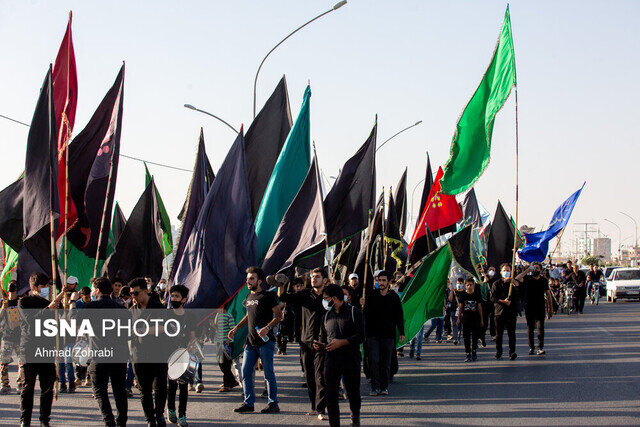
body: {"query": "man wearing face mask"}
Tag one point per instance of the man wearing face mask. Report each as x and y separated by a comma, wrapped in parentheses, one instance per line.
(487, 306)
(34, 306)
(341, 334)
(383, 317)
(537, 298)
(313, 311)
(10, 334)
(504, 296)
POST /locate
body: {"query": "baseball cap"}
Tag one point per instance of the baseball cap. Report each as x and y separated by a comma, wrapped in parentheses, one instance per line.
(353, 276)
(72, 280)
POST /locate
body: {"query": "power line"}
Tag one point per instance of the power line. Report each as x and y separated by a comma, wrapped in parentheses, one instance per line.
(123, 155)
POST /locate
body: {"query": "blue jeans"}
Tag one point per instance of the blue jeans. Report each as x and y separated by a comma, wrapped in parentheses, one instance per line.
(418, 340)
(130, 375)
(66, 366)
(436, 323)
(250, 358)
(457, 332)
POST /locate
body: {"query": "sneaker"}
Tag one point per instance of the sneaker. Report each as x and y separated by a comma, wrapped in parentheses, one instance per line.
(171, 414)
(483, 343)
(418, 357)
(468, 358)
(513, 356)
(541, 352)
(322, 416)
(224, 389)
(182, 421)
(72, 387)
(63, 388)
(498, 355)
(474, 356)
(199, 387)
(530, 351)
(449, 337)
(374, 392)
(5, 389)
(271, 408)
(383, 392)
(312, 413)
(244, 408)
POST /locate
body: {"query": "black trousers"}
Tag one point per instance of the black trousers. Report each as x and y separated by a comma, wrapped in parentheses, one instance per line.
(580, 296)
(470, 334)
(101, 374)
(152, 378)
(184, 396)
(351, 377)
(488, 319)
(228, 379)
(380, 353)
(47, 374)
(508, 322)
(535, 320)
(313, 362)
(447, 322)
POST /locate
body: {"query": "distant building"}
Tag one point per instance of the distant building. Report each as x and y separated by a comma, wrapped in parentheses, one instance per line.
(602, 248)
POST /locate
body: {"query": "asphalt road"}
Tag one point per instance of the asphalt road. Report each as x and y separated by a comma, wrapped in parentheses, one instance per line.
(590, 376)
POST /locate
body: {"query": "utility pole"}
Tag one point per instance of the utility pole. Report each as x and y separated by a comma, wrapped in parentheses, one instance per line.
(586, 232)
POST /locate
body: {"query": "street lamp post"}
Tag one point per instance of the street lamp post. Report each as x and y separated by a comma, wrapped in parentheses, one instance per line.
(619, 238)
(255, 81)
(398, 133)
(191, 107)
(635, 248)
(413, 193)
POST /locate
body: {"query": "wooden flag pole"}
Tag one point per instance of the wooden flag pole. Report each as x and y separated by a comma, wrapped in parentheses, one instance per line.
(165, 261)
(366, 263)
(557, 244)
(515, 231)
(104, 214)
(66, 197)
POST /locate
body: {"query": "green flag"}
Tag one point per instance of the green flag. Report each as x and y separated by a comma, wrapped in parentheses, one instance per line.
(167, 239)
(80, 265)
(10, 258)
(423, 298)
(471, 143)
(288, 174)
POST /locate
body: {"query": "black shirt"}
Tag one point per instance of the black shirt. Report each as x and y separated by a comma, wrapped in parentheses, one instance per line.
(188, 324)
(30, 308)
(149, 348)
(345, 324)
(534, 289)
(312, 312)
(111, 340)
(259, 308)
(470, 303)
(383, 314)
(594, 276)
(500, 291)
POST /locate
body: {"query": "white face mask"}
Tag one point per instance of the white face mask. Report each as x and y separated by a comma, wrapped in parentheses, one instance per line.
(44, 292)
(506, 274)
(491, 273)
(326, 305)
(459, 286)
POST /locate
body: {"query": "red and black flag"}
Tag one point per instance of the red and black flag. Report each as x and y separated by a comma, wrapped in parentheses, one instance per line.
(93, 169)
(40, 194)
(352, 196)
(264, 140)
(65, 98)
(139, 249)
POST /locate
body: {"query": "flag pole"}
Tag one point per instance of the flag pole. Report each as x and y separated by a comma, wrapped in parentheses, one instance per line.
(557, 244)
(66, 196)
(515, 231)
(366, 263)
(165, 261)
(104, 214)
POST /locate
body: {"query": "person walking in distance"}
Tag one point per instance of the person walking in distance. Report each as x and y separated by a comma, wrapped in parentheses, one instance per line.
(504, 296)
(470, 316)
(537, 300)
(263, 314)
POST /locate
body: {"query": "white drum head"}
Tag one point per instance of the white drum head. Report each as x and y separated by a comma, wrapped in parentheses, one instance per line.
(178, 363)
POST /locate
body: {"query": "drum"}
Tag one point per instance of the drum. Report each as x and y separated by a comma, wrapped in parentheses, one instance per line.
(182, 365)
(80, 352)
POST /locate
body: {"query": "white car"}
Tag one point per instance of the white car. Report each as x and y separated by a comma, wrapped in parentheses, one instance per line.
(623, 283)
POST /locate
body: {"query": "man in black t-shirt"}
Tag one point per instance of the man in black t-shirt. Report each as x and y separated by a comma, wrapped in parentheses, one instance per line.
(537, 300)
(593, 277)
(263, 314)
(470, 310)
(504, 294)
(580, 292)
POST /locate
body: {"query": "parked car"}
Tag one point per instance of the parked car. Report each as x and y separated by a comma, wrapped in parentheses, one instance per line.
(624, 283)
(608, 270)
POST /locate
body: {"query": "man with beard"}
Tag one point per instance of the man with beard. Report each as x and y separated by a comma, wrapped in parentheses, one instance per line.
(504, 296)
(537, 299)
(263, 314)
(383, 318)
(313, 360)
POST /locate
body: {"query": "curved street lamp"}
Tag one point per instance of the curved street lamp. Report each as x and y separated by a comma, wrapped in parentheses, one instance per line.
(619, 237)
(255, 81)
(398, 133)
(191, 107)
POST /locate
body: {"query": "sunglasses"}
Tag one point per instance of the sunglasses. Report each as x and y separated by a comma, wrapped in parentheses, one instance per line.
(136, 293)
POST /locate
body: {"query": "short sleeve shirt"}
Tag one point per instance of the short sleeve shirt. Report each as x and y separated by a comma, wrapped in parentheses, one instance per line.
(259, 308)
(470, 303)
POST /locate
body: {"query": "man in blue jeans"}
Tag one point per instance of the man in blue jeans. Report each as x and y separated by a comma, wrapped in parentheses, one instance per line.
(263, 314)
(416, 342)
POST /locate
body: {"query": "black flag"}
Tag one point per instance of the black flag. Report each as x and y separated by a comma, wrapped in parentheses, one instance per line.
(422, 247)
(470, 209)
(393, 238)
(223, 241)
(201, 182)
(348, 202)
(11, 214)
(93, 168)
(264, 140)
(302, 230)
(500, 241)
(460, 244)
(373, 241)
(400, 198)
(139, 250)
(118, 224)
(40, 202)
(428, 183)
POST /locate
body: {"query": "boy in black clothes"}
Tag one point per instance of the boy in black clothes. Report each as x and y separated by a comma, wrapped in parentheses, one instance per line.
(470, 311)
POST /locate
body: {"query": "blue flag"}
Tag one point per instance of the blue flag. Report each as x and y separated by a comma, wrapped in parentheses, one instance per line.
(537, 244)
(222, 243)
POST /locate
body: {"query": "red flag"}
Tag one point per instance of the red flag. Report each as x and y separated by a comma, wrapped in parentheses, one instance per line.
(65, 99)
(440, 211)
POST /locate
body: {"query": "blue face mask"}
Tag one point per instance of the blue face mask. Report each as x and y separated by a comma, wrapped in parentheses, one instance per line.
(44, 292)
(376, 285)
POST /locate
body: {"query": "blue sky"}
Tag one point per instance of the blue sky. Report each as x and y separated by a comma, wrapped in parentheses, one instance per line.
(577, 64)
